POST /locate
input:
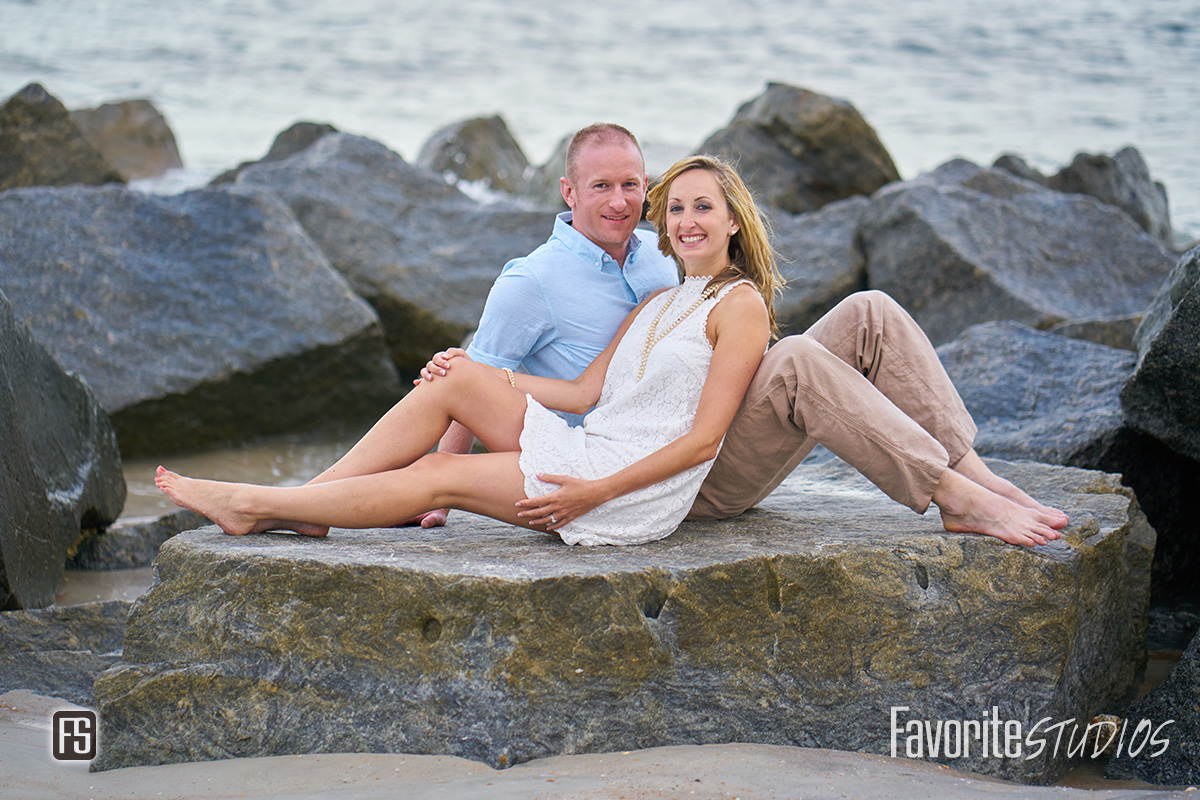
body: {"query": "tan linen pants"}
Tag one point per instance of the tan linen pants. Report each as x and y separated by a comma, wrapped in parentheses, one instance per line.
(865, 382)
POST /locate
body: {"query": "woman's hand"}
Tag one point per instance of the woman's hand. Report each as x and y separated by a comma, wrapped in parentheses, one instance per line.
(438, 365)
(574, 498)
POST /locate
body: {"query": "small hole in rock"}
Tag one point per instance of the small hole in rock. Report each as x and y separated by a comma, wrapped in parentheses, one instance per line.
(431, 630)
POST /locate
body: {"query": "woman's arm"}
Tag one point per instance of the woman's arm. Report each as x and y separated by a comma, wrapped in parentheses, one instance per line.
(739, 330)
(573, 396)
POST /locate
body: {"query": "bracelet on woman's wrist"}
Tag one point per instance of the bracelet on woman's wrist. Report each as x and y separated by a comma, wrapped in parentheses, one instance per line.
(512, 379)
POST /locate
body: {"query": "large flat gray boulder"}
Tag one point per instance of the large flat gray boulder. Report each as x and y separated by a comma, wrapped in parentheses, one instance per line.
(204, 317)
(422, 253)
(800, 150)
(800, 623)
(964, 245)
(60, 469)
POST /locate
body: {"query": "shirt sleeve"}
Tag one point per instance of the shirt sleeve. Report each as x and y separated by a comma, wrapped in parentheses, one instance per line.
(516, 321)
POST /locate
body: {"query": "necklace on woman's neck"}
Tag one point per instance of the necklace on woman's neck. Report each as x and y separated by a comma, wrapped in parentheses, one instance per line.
(653, 337)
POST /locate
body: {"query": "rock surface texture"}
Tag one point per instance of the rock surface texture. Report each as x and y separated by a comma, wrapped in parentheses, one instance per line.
(819, 255)
(40, 145)
(58, 652)
(1039, 396)
(132, 136)
(1176, 698)
(1162, 397)
(60, 470)
(417, 249)
(801, 150)
(1122, 180)
(800, 623)
(963, 245)
(477, 150)
(198, 318)
(298, 136)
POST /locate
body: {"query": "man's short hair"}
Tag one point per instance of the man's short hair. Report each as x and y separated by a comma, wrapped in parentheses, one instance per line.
(596, 133)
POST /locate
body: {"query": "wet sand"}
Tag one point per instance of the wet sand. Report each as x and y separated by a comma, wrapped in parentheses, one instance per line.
(744, 771)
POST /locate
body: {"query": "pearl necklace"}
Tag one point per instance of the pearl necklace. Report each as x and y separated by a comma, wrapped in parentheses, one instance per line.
(653, 338)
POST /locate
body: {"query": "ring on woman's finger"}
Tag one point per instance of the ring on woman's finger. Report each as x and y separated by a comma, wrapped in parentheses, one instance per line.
(553, 521)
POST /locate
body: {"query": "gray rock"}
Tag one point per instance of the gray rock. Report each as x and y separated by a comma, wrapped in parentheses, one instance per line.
(1018, 166)
(1036, 395)
(1177, 698)
(59, 652)
(40, 145)
(799, 150)
(92, 627)
(1172, 627)
(545, 185)
(197, 318)
(964, 245)
(479, 150)
(1122, 180)
(60, 470)
(819, 255)
(800, 623)
(299, 136)
(129, 544)
(1162, 397)
(132, 136)
(1047, 398)
(1115, 332)
(417, 249)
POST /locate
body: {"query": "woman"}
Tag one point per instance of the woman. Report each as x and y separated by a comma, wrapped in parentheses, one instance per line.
(664, 391)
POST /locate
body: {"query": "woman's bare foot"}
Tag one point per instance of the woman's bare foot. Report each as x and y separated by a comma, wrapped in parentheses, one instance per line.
(967, 507)
(220, 503)
(216, 500)
(972, 466)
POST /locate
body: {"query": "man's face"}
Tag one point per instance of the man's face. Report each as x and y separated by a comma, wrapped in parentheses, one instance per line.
(607, 194)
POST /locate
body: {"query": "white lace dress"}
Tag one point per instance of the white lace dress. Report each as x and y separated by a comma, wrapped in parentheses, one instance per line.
(633, 418)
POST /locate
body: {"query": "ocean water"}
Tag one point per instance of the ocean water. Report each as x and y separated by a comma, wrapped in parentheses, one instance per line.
(936, 78)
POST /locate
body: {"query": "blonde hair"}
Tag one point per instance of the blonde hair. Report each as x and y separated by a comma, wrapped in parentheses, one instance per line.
(750, 253)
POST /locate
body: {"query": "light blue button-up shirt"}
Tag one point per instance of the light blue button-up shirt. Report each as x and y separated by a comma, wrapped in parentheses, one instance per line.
(553, 311)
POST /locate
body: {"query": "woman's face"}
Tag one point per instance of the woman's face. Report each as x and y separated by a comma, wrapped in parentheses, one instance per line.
(699, 222)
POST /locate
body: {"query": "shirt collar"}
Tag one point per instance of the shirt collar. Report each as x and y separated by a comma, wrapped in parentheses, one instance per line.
(584, 246)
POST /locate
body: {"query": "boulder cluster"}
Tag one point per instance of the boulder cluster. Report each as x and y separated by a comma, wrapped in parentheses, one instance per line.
(304, 288)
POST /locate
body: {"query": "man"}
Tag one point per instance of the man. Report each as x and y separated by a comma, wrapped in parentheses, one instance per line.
(864, 380)
(553, 311)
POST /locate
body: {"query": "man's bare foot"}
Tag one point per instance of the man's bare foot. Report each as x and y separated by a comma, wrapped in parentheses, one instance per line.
(430, 519)
(972, 466)
(967, 507)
